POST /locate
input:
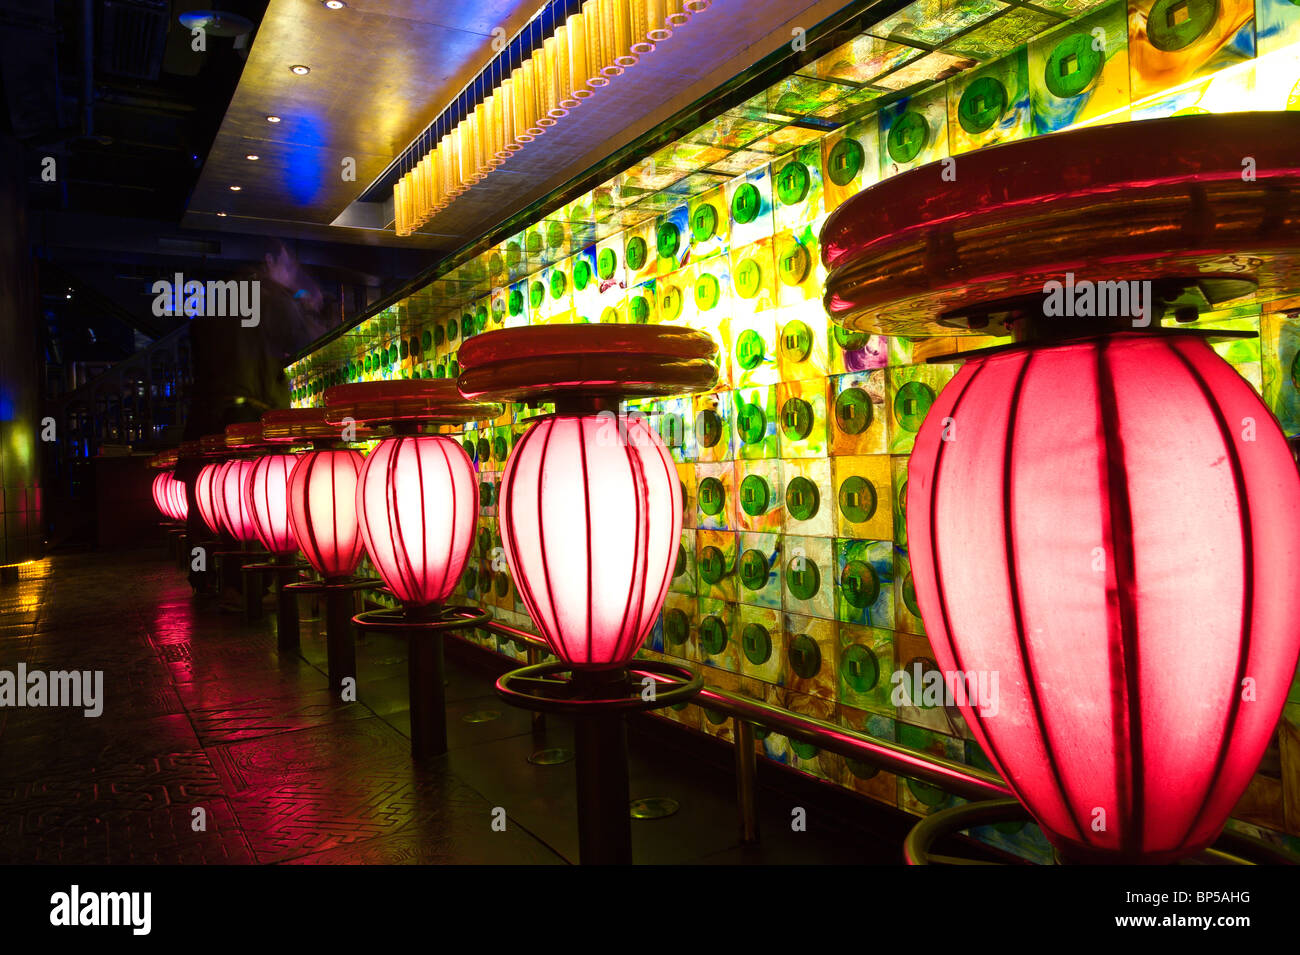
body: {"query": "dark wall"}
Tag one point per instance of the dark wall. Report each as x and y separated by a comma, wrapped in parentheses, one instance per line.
(20, 371)
(125, 514)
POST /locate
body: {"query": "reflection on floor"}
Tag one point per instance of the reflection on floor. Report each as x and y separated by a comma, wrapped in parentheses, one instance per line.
(213, 747)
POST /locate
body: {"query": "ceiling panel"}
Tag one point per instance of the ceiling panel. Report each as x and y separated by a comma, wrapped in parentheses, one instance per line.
(672, 73)
(380, 72)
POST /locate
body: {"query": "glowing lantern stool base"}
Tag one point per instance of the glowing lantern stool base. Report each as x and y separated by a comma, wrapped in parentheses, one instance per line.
(424, 627)
(1072, 496)
(164, 498)
(417, 507)
(247, 440)
(187, 451)
(207, 492)
(268, 485)
(210, 453)
(597, 700)
(613, 486)
(184, 453)
(332, 547)
(1231, 848)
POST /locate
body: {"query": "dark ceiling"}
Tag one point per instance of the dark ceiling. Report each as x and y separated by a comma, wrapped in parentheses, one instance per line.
(380, 71)
(155, 102)
(117, 112)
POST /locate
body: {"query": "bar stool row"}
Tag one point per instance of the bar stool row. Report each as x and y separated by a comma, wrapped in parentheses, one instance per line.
(589, 499)
(293, 483)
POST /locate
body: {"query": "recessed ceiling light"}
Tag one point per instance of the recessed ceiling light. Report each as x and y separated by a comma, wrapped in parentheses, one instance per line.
(334, 4)
(273, 119)
(235, 188)
(252, 157)
(300, 69)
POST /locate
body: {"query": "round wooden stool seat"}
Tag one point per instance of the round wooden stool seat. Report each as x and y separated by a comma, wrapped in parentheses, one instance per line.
(435, 401)
(296, 425)
(545, 363)
(247, 436)
(1205, 207)
(213, 445)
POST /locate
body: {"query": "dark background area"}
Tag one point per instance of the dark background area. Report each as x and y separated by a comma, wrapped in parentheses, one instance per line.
(107, 114)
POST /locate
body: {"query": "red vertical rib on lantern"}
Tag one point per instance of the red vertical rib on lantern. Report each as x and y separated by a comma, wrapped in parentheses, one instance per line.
(323, 510)
(417, 504)
(1114, 528)
(590, 523)
(267, 489)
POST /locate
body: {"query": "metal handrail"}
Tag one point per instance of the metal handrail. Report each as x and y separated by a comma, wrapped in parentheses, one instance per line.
(957, 778)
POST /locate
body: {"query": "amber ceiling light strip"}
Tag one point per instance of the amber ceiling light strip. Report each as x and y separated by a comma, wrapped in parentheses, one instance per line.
(584, 52)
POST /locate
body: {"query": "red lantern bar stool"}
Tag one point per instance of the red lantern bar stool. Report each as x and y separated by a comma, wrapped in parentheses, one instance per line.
(169, 503)
(187, 454)
(1076, 496)
(268, 501)
(591, 517)
(207, 496)
(322, 494)
(239, 512)
(417, 507)
(236, 517)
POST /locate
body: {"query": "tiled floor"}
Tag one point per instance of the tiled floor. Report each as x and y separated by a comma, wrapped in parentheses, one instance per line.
(214, 747)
